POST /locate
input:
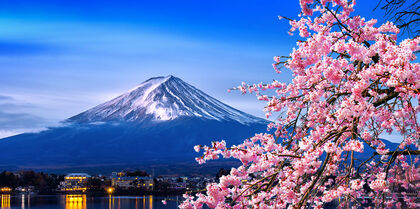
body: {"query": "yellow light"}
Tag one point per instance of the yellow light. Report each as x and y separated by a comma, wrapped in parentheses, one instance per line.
(110, 190)
(6, 189)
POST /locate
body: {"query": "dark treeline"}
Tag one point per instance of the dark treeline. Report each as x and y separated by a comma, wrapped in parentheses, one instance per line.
(136, 173)
(42, 181)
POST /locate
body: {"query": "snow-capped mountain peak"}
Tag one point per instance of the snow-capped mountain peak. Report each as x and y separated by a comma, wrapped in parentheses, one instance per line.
(162, 99)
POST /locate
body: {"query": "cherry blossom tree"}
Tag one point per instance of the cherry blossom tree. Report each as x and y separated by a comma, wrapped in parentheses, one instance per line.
(352, 81)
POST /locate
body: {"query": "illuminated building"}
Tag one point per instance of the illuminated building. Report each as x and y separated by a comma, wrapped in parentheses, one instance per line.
(5, 190)
(130, 182)
(26, 190)
(75, 182)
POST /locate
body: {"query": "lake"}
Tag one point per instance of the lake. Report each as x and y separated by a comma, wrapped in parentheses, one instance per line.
(86, 202)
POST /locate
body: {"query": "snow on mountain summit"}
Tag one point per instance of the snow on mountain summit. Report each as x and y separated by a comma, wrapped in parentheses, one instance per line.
(162, 99)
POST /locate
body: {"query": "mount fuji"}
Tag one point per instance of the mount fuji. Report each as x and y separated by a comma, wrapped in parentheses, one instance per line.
(163, 99)
(154, 126)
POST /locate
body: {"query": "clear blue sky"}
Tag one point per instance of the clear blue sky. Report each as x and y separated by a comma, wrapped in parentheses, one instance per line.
(58, 58)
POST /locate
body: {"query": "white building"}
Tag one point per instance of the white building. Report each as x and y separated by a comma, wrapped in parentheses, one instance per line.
(75, 182)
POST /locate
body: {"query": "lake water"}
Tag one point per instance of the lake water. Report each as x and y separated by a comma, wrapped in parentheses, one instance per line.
(86, 202)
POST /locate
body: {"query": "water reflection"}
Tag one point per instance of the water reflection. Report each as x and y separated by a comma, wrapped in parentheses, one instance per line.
(81, 201)
(110, 201)
(5, 201)
(76, 201)
(151, 202)
(121, 202)
(22, 201)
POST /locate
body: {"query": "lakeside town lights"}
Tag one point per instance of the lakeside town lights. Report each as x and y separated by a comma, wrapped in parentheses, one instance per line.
(6, 189)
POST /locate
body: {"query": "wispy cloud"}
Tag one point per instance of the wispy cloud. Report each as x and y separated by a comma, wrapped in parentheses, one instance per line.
(13, 119)
(22, 48)
(12, 132)
(5, 98)
(19, 120)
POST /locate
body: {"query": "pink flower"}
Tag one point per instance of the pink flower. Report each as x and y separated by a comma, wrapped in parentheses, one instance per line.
(354, 145)
(330, 147)
(356, 184)
(378, 185)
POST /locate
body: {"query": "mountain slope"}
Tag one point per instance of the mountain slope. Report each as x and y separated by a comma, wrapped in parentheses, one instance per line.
(119, 144)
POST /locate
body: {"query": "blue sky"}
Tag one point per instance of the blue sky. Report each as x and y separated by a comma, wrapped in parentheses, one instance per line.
(59, 58)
